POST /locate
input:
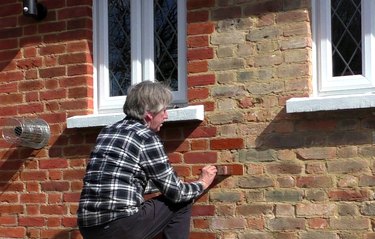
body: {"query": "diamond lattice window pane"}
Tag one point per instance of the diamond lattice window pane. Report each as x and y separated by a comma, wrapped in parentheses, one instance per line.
(119, 56)
(165, 25)
(346, 37)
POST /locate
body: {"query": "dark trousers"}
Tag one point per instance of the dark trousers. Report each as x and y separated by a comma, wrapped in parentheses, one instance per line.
(155, 216)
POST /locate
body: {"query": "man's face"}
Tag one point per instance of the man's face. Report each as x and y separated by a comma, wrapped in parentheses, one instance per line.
(157, 120)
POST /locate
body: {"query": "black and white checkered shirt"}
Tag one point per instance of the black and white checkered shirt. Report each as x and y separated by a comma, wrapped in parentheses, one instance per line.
(127, 156)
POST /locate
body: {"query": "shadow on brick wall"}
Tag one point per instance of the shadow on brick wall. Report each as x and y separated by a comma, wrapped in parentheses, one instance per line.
(12, 162)
(318, 129)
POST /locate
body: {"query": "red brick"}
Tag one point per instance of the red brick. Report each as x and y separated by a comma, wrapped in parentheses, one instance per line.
(53, 209)
(13, 232)
(33, 175)
(198, 93)
(175, 158)
(200, 235)
(8, 198)
(69, 222)
(198, 16)
(199, 144)
(182, 171)
(196, 4)
(200, 157)
(197, 66)
(55, 186)
(201, 80)
(73, 174)
(8, 220)
(74, 58)
(52, 72)
(197, 41)
(349, 195)
(230, 169)
(226, 13)
(31, 221)
(200, 54)
(74, 12)
(33, 198)
(10, 9)
(53, 94)
(200, 28)
(203, 210)
(71, 197)
(48, 27)
(84, 23)
(8, 22)
(52, 49)
(201, 223)
(53, 163)
(30, 41)
(227, 143)
(11, 209)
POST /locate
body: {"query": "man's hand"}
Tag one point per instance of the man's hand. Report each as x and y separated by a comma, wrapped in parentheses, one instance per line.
(207, 175)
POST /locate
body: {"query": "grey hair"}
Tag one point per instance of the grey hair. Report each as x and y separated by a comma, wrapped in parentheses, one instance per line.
(146, 96)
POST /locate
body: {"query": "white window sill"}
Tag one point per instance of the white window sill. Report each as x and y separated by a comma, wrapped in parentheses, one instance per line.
(312, 104)
(189, 113)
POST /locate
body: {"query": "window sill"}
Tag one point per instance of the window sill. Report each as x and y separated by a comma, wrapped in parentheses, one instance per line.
(189, 113)
(312, 104)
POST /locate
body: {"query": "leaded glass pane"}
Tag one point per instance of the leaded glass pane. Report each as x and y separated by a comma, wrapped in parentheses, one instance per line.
(346, 37)
(165, 52)
(119, 56)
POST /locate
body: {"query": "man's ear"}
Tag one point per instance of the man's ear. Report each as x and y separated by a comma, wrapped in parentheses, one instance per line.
(148, 117)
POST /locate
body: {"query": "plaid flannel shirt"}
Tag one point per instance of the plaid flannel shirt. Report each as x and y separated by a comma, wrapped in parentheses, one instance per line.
(127, 156)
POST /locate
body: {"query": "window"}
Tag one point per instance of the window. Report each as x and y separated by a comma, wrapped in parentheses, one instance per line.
(138, 40)
(343, 36)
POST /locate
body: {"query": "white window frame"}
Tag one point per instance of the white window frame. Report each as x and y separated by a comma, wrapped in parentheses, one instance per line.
(345, 92)
(325, 83)
(141, 53)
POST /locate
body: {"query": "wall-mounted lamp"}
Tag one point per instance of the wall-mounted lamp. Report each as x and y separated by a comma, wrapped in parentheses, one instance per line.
(34, 9)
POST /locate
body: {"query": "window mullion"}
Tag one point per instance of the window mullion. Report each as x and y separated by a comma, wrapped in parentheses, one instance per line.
(148, 40)
(136, 46)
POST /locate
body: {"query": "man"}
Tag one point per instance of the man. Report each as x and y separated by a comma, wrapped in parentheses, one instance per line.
(129, 161)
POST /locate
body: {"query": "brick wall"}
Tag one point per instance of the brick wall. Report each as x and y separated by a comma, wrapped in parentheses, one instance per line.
(305, 176)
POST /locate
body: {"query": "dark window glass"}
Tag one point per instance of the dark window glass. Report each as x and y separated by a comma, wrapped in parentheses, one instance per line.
(119, 56)
(165, 40)
(346, 37)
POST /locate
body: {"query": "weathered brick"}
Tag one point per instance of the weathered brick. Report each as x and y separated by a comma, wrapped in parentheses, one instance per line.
(346, 223)
(284, 168)
(257, 155)
(314, 153)
(268, 32)
(255, 209)
(314, 182)
(225, 117)
(284, 195)
(318, 235)
(349, 195)
(227, 38)
(225, 91)
(228, 223)
(227, 196)
(226, 64)
(366, 180)
(255, 182)
(348, 166)
(282, 224)
(315, 210)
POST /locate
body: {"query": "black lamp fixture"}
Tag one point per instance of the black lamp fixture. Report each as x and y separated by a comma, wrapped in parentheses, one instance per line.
(32, 8)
